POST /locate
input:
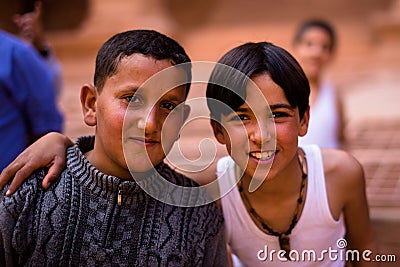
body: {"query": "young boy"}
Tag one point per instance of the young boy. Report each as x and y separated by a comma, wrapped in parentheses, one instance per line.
(96, 214)
(309, 202)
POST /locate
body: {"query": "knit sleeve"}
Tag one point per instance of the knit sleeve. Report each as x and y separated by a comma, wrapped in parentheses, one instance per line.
(7, 223)
(16, 217)
(216, 253)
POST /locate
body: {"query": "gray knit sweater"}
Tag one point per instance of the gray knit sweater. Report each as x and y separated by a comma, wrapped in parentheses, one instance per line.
(78, 222)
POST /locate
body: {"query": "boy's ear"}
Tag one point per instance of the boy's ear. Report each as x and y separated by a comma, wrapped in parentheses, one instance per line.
(89, 103)
(218, 131)
(304, 122)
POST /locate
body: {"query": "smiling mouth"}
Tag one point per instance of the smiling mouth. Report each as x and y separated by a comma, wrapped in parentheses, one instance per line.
(266, 155)
(145, 142)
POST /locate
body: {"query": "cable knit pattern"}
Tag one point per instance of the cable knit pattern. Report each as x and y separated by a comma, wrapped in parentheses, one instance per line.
(77, 222)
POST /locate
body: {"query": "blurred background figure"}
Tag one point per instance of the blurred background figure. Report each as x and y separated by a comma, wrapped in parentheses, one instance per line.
(30, 27)
(314, 46)
(28, 106)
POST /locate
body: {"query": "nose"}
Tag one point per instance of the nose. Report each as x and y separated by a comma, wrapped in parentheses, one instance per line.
(149, 121)
(317, 50)
(262, 132)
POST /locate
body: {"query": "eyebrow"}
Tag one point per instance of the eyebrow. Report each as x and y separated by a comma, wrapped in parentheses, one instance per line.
(173, 97)
(242, 109)
(272, 107)
(277, 106)
(130, 89)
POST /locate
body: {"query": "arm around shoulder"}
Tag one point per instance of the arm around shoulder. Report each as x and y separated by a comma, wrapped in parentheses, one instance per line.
(49, 151)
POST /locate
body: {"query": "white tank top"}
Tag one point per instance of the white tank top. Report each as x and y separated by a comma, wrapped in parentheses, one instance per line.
(324, 120)
(315, 231)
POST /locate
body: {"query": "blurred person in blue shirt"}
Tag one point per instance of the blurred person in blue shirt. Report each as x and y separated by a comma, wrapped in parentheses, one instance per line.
(31, 29)
(28, 107)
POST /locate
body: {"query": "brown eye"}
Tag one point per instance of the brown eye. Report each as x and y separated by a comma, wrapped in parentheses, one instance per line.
(240, 117)
(168, 105)
(279, 114)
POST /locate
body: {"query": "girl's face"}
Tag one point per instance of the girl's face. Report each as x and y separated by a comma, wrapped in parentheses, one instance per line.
(314, 51)
(261, 136)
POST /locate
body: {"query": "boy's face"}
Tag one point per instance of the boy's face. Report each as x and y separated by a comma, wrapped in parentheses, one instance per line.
(262, 133)
(314, 51)
(142, 122)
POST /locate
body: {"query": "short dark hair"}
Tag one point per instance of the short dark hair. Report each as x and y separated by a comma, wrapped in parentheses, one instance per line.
(229, 87)
(316, 23)
(146, 42)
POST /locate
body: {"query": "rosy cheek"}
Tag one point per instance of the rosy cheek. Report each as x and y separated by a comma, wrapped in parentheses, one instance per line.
(115, 121)
(285, 133)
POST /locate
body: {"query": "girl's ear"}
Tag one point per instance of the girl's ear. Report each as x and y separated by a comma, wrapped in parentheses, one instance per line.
(218, 131)
(304, 122)
(89, 103)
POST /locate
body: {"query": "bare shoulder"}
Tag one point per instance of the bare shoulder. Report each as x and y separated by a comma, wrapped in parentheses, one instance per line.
(344, 177)
(342, 167)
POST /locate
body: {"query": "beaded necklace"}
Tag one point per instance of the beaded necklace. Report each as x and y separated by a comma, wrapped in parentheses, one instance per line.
(284, 240)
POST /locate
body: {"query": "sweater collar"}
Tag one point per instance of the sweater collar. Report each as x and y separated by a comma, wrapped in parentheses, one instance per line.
(91, 178)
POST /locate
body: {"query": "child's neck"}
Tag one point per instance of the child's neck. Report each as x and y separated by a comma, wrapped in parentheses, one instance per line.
(110, 169)
(278, 201)
(280, 187)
